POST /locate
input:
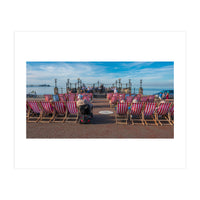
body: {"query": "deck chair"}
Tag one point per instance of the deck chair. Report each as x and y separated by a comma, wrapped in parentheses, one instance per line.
(137, 98)
(71, 98)
(72, 109)
(161, 114)
(171, 114)
(62, 97)
(109, 96)
(144, 99)
(113, 101)
(121, 115)
(129, 99)
(36, 110)
(136, 113)
(48, 112)
(151, 98)
(148, 114)
(61, 111)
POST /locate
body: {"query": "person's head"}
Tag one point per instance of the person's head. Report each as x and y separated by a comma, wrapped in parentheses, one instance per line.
(80, 97)
(122, 101)
(135, 101)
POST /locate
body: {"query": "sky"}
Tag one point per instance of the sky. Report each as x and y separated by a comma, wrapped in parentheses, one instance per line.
(153, 74)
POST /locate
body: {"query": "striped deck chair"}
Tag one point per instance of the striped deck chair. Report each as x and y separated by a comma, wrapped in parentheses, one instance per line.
(121, 115)
(171, 114)
(129, 99)
(36, 111)
(136, 113)
(48, 112)
(47, 97)
(71, 98)
(72, 111)
(148, 114)
(151, 98)
(144, 99)
(109, 96)
(161, 114)
(61, 111)
(113, 101)
(62, 97)
(137, 97)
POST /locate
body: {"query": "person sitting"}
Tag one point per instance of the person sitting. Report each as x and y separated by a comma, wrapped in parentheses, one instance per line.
(122, 101)
(84, 103)
(160, 95)
(135, 101)
(167, 96)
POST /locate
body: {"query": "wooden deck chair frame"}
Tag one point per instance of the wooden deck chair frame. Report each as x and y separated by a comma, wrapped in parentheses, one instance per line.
(34, 116)
(149, 118)
(60, 115)
(170, 115)
(70, 116)
(136, 119)
(122, 118)
(45, 115)
(164, 118)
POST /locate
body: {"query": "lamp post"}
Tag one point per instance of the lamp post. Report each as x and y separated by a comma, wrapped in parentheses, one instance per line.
(78, 82)
(56, 88)
(129, 85)
(140, 89)
(119, 82)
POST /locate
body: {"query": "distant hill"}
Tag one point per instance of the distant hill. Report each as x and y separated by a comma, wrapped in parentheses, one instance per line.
(43, 85)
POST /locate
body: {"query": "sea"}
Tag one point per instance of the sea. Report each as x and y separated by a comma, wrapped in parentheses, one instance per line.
(50, 90)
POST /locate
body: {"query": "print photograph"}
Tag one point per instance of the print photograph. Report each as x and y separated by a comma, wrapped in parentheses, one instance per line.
(100, 99)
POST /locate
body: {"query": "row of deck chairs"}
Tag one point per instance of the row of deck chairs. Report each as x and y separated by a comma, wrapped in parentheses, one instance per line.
(43, 111)
(69, 97)
(145, 113)
(128, 99)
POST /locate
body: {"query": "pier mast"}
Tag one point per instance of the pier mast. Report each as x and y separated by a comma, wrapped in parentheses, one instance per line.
(55, 88)
(140, 89)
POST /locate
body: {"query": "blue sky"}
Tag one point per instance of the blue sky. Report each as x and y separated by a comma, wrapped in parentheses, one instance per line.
(153, 74)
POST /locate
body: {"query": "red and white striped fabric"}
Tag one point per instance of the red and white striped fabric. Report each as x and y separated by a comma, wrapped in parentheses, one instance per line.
(71, 107)
(114, 100)
(137, 98)
(163, 108)
(109, 95)
(151, 98)
(122, 108)
(149, 109)
(71, 98)
(62, 97)
(144, 99)
(172, 110)
(47, 97)
(60, 107)
(129, 99)
(47, 107)
(136, 108)
(34, 106)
